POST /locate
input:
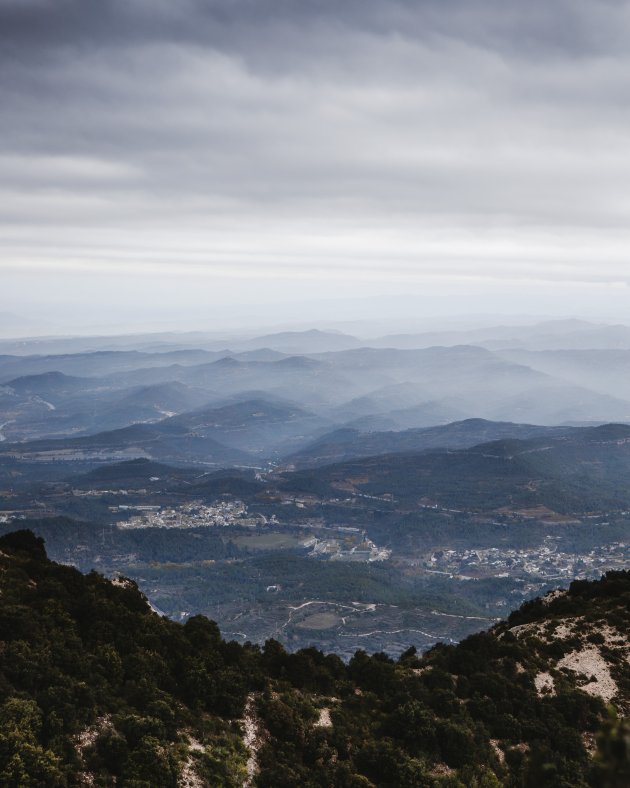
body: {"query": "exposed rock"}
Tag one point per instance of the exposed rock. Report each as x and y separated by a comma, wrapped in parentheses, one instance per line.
(545, 684)
(324, 720)
(590, 662)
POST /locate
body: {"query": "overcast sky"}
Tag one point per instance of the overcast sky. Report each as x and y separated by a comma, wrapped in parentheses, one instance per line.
(200, 153)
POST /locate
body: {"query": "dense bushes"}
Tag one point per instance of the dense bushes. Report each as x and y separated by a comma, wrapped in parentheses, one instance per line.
(92, 681)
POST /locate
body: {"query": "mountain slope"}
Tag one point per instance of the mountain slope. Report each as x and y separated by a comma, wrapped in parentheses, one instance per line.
(52, 404)
(46, 384)
(573, 471)
(258, 425)
(606, 371)
(344, 444)
(467, 381)
(162, 441)
(97, 688)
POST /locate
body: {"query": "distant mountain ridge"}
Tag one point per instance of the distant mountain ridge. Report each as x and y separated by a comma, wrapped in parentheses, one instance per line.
(364, 387)
(568, 471)
(298, 342)
(347, 443)
(258, 426)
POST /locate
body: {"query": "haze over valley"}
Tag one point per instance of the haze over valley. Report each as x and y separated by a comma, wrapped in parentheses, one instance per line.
(323, 488)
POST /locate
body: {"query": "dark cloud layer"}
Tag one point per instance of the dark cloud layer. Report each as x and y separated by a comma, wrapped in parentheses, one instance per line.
(455, 138)
(577, 27)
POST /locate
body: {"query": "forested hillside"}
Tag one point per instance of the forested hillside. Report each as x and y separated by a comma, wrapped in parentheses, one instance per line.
(95, 688)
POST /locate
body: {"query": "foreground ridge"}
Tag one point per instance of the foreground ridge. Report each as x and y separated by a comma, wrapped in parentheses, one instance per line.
(96, 689)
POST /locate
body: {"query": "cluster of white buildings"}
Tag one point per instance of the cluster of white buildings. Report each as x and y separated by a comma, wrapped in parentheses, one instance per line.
(544, 562)
(332, 550)
(195, 514)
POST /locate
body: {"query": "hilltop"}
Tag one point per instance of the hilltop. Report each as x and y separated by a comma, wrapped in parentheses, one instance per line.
(94, 686)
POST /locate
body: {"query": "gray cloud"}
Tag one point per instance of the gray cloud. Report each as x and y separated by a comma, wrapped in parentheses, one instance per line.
(472, 138)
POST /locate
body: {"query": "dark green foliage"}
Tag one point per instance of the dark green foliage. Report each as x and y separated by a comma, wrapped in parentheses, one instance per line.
(24, 542)
(80, 654)
(612, 764)
(92, 681)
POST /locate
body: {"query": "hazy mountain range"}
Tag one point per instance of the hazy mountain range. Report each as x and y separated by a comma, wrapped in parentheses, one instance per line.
(274, 395)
